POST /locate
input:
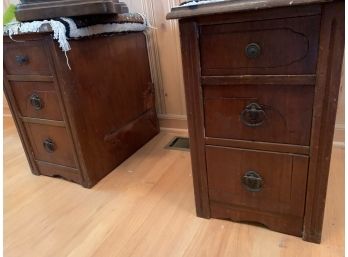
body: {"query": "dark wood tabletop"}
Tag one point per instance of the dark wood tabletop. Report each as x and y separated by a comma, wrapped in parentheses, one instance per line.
(233, 6)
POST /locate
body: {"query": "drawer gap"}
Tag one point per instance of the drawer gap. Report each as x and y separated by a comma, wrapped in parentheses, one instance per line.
(307, 80)
(43, 121)
(262, 146)
(34, 78)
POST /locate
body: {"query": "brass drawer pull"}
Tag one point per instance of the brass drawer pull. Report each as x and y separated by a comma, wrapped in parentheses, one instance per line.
(252, 181)
(253, 115)
(253, 50)
(49, 145)
(36, 102)
(22, 59)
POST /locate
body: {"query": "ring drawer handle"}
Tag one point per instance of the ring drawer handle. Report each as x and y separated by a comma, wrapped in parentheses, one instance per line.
(252, 181)
(253, 115)
(49, 145)
(253, 50)
(36, 102)
(22, 59)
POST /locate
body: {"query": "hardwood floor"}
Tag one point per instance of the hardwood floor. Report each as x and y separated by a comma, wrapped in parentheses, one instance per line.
(144, 208)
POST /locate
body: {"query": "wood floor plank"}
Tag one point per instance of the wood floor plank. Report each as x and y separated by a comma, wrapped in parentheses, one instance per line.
(143, 208)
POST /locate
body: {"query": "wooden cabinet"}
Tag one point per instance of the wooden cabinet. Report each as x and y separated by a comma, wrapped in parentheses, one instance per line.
(261, 92)
(80, 124)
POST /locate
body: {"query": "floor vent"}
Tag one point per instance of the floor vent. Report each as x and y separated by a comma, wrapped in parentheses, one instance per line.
(179, 143)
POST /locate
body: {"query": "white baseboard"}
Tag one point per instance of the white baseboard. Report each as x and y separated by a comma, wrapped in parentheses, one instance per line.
(339, 138)
(338, 144)
(176, 131)
(170, 121)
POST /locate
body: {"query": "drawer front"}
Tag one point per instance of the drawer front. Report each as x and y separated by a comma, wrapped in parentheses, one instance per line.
(281, 46)
(37, 100)
(51, 144)
(27, 58)
(267, 113)
(260, 181)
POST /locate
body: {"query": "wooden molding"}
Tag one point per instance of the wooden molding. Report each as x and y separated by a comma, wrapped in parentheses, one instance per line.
(173, 122)
(339, 138)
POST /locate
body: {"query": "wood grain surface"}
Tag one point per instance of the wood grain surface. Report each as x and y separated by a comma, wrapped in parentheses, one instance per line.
(279, 204)
(288, 112)
(329, 72)
(244, 44)
(223, 47)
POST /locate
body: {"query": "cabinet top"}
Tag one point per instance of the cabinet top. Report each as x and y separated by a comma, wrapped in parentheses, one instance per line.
(224, 6)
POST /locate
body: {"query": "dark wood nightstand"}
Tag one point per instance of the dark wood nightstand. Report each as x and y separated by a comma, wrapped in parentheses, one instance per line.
(80, 124)
(262, 81)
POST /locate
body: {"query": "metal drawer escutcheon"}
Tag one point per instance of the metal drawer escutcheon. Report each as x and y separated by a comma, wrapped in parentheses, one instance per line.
(252, 181)
(253, 50)
(49, 145)
(22, 59)
(253, 115)
(36, 102)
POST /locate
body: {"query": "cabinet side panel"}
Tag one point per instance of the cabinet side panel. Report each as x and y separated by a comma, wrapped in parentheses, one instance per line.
(194, 102)
(325, 106)
(107, 91)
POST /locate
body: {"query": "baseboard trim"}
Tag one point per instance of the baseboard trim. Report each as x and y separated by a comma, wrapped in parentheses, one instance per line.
(339, 137)
(339, 144)
(175, 131)
(168, 121)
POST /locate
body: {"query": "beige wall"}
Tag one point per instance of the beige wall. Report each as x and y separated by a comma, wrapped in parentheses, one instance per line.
(165, 59)
(164, 54)
(339, 132)
(7, 2)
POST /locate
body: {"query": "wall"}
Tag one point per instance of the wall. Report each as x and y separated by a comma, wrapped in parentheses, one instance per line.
(165, 59)
(339, 130)
(6, 3)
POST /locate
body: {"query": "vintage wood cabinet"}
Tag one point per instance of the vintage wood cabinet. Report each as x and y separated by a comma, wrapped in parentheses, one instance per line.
(262, 81)
(80, 124)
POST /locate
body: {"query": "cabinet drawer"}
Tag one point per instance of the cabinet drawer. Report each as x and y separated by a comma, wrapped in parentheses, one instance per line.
(37, 100)
(51, 144)
(260, 181)
(268, 113)
(281, 46)
(27, 58)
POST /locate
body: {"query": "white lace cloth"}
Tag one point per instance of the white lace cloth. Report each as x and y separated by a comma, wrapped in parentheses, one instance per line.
(201, 2)
(59, 30)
